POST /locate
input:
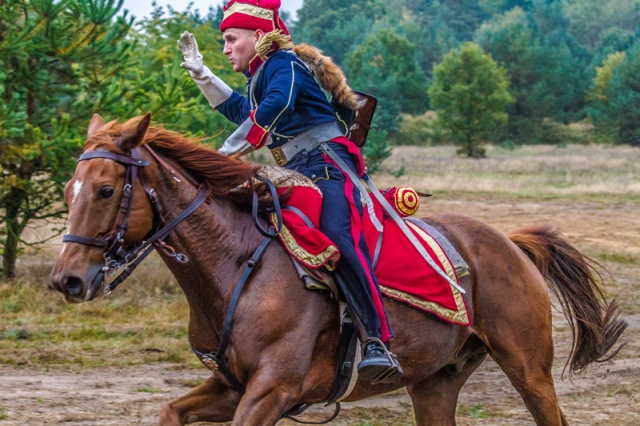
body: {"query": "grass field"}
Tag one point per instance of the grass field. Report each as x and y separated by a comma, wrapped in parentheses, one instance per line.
(591, 172)
(144, 321)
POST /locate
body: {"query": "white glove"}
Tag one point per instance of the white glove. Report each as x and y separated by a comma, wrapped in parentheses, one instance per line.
(192, 57)
(214, 90)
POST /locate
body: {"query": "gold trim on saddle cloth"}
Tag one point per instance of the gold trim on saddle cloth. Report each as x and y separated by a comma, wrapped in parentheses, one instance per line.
(327, 257)
(461, 316)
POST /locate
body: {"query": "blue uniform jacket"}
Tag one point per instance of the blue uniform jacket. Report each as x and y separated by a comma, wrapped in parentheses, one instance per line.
(285, 100)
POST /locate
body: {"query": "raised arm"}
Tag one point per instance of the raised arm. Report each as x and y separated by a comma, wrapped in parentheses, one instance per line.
(212, 87)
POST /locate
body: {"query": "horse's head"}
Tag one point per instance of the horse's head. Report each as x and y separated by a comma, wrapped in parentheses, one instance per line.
(108, 208)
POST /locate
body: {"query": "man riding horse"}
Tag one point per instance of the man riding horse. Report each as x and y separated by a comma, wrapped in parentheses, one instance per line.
(287, 110)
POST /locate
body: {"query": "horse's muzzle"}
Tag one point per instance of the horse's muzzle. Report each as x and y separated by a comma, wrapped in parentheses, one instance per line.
(74, 288)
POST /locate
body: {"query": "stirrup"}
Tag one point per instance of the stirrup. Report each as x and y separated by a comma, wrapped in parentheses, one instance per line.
(391, 373)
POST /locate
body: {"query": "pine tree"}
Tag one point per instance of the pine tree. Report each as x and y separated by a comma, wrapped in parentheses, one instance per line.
(57, 60)
(615, 98)
(385, 66)
(469, 93)
(546, 79)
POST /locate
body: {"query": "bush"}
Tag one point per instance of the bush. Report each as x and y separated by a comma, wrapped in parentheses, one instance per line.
(420, 130)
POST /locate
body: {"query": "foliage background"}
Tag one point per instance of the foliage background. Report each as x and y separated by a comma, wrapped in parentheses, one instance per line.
(566, 61)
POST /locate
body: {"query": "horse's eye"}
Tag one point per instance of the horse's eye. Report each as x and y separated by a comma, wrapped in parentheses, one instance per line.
(105, 192)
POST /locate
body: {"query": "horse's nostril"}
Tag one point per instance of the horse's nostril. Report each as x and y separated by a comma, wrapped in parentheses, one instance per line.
(73, 286)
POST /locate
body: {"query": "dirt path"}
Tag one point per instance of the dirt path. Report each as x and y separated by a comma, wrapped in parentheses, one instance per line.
(609, 394)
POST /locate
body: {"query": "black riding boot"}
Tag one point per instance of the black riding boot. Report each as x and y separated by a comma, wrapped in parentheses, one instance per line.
(378, 364)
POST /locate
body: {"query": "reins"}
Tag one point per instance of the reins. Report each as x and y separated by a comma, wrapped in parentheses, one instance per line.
(214, 360)
(120, 263)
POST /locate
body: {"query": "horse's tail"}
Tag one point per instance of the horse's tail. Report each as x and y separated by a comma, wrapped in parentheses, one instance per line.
(595, 324)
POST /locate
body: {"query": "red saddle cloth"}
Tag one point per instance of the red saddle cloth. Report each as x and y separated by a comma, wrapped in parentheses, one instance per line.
(402, 272)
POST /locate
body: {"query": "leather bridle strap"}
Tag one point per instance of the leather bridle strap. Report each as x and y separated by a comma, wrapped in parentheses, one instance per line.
(123, 159)
(141, 252)
(215, 360)
(218, 356)
(112, 239)
(112, 242)
(88, 241)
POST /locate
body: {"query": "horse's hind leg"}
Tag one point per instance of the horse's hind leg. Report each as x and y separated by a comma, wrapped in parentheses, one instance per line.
(530, 374)
(435, 398)
(521, 344)
(529, 370)
(212, 401)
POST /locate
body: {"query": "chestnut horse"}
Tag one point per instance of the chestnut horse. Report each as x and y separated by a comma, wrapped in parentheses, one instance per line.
(283, 345)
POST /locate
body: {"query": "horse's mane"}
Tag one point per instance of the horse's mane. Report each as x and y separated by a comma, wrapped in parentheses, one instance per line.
(205, 164)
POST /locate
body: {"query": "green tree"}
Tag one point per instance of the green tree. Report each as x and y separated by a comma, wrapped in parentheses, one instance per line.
(615, 100)
(157, 84)
(57, 58)
(598, 92)
(336, 26)
(430, 32)
(612, 40)
(469, 93)
(547, 81)
(376, 150)
(384, 66)
(499, 6)
(591, 19)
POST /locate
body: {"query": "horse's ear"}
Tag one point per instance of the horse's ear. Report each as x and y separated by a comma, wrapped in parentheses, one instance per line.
(134, 136)
(96, 123)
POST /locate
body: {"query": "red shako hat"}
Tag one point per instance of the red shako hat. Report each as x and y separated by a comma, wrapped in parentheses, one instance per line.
(253, 15)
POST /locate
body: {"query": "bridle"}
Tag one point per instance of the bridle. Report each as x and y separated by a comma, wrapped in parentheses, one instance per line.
(120, 262)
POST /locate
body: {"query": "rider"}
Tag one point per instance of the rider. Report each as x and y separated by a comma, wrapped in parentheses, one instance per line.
(284, 101)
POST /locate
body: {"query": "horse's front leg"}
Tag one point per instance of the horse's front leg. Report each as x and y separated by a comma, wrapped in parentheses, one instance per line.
(266, 399)
(213, 401)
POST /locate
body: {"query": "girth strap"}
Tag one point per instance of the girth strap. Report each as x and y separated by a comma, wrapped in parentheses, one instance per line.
(215, 360)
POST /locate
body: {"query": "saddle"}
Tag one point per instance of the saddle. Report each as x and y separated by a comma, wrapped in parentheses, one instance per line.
(402, 273)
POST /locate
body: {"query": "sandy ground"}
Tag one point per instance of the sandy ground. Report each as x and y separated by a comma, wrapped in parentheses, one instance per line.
(608, 394)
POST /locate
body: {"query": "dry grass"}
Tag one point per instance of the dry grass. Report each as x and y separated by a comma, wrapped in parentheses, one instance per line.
(143, 321)
(539, 172)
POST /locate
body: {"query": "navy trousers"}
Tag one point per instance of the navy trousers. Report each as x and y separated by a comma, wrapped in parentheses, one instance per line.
(340, 202)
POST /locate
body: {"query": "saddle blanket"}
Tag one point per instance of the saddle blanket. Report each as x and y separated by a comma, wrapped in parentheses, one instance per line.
(404, 275)
(402, 272)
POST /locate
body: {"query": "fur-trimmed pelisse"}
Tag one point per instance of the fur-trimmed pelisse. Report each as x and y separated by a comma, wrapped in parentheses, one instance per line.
(329, 75)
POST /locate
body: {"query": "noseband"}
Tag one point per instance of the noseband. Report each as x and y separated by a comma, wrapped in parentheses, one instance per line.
(113, 240)
(119, 262)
